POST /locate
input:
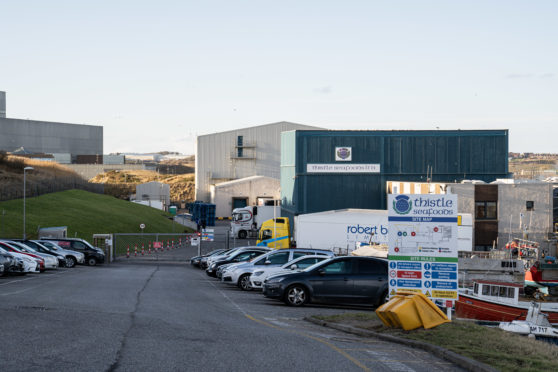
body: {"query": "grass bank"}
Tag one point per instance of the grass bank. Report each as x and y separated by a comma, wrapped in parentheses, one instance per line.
(84, 214)
(492, 346)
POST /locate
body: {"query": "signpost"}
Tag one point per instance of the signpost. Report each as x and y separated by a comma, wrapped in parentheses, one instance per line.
(423, 245)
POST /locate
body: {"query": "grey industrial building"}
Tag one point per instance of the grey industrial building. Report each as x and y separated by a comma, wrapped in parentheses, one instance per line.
(238, 154)
(48, 137)
(326, 170)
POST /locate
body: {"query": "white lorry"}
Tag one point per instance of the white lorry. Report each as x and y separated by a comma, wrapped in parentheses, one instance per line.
(247, 221)
(344, 230)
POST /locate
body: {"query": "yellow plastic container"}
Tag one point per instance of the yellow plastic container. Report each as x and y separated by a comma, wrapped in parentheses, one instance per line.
(411, 310)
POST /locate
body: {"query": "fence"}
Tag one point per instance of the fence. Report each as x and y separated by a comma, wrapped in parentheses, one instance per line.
(148, 243)
(36, 188)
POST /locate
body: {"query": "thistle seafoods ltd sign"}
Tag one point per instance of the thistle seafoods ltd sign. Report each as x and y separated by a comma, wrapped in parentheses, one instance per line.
(422, 233)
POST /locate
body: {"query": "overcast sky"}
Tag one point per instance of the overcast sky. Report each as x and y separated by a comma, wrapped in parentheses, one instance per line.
(155, 74)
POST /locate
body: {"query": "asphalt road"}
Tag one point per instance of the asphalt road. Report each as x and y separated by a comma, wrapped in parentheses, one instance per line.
(143, 314)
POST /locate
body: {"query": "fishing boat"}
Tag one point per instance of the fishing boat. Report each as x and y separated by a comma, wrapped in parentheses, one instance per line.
(500, 302)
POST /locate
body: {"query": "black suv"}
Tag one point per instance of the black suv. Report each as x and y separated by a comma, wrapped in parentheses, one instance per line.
(93, 255)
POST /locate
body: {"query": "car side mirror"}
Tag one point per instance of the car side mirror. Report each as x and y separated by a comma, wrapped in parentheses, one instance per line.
(294, 267)
(267, 262)
(321, 272)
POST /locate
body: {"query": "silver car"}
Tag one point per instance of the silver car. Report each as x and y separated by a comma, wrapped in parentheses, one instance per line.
(72, 257)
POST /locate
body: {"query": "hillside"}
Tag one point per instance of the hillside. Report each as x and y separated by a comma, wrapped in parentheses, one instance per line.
(84, 213)
(182, 186)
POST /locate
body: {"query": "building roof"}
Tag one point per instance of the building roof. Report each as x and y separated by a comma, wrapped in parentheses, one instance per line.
(310, 127)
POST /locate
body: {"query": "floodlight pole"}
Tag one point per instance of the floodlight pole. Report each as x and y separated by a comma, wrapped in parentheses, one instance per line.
(24, 192)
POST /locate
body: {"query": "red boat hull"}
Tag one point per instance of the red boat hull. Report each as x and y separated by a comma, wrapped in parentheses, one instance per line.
(474, 308)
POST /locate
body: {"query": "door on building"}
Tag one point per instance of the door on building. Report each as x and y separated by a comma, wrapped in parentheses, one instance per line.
(239, 202)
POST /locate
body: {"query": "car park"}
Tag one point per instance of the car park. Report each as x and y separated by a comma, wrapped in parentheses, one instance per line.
(240, 255)
(239, 275)
(341, 280)
(50, 262)
(72, 257)
(299, 264)
(93, 255)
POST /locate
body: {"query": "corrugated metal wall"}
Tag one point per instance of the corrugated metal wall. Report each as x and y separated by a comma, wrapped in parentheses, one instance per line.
(402, 155)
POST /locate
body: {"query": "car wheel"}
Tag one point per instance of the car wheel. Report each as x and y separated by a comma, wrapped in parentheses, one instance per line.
(242, 234)
(296, 295)
(92, 261)
(70, 262)
(244, 282)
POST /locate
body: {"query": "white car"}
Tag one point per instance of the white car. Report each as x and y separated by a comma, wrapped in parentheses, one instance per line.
(298, 264)
(30, 265)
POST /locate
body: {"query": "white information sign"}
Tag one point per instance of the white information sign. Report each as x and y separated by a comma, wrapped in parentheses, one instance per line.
(422, 232)
(342, 168)
(208, 235)
(195, 241)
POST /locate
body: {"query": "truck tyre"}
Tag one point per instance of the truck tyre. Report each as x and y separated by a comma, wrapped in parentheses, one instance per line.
(242, 234)
(296, 295)
(244, 282)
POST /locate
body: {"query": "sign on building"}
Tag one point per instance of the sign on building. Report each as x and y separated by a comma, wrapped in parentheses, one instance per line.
(423, 245)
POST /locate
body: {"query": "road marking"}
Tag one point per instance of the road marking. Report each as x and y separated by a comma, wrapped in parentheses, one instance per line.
(26, 289)
(340, 351)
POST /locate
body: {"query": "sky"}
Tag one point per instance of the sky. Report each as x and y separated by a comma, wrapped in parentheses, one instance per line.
(155, 74)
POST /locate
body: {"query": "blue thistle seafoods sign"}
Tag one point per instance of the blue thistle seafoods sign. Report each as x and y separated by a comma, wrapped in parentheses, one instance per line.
(422, 233)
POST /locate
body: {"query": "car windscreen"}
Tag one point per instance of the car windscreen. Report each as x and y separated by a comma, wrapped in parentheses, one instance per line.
(317, 264)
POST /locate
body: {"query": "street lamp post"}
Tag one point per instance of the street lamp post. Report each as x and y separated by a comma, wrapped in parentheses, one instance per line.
(24, 183)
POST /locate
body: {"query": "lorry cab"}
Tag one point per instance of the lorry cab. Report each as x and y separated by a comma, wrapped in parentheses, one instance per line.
(275, 233)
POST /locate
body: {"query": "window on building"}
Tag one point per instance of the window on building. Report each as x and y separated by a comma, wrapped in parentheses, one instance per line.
(486, 210)
(530, 205)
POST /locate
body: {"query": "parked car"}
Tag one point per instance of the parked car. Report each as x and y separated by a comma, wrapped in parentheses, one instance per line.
(299, 264)
(205, 263)
(93, 255)
(23, 263)
(239, 275)
(50, 262)
(42, 249)
(196, 260)
(347, 280)
(72, 257)
(241, 255)
(12, 249)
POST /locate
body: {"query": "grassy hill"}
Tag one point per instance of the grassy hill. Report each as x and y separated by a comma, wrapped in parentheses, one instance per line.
(84, 213)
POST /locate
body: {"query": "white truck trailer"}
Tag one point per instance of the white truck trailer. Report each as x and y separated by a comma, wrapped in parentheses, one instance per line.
(246, 221)
(344, 230)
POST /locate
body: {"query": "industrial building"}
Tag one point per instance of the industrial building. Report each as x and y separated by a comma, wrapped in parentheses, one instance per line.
(237, 154)
(48, 137)
(155, 194)
(503, 210)
(326, 170)
(255, 190)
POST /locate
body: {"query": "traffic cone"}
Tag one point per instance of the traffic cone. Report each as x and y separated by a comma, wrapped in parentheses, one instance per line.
(142, 249)
(168, 245)
(136, 250)
(180, 242)
(128, 252)
(172, 246)
(149, 247)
